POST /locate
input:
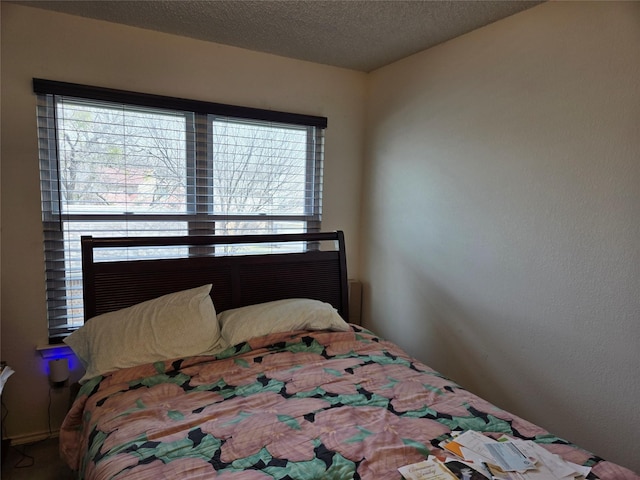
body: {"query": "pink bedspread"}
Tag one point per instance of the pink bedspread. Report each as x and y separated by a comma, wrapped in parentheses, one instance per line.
(296, 405)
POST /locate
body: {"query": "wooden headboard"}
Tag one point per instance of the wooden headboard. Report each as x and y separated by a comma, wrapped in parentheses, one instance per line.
(238, 280)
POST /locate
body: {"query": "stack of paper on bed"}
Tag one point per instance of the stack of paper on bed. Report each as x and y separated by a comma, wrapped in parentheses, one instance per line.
(429, 469)
(512, 459)
(503, 459)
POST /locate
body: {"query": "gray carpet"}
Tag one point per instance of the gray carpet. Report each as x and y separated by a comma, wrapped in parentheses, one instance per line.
(36, 461)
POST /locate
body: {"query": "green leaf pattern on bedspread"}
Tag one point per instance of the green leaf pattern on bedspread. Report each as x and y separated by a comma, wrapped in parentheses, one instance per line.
(296, 405)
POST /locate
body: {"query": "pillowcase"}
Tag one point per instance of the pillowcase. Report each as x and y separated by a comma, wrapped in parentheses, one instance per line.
(175, 325)
(241, 324)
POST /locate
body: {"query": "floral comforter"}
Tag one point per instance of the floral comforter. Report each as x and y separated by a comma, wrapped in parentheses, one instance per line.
(295, 405)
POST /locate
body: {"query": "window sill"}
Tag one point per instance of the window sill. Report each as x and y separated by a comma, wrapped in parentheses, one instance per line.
(54, 351)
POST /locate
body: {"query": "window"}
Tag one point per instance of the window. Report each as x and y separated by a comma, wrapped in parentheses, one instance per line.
(115, 163)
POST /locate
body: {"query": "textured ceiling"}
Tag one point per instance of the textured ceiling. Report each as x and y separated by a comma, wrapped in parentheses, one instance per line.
(357, 34)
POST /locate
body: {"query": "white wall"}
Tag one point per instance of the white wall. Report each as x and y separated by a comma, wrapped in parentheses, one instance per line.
(501, 239)
(36, 43)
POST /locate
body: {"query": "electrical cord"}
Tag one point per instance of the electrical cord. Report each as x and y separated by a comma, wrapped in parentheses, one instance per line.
(5, 412)
(23, 453)
(24, 456)
(49, 412)
(22, 449)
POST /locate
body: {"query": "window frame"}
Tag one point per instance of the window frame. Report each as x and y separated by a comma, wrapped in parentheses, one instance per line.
(198, 217)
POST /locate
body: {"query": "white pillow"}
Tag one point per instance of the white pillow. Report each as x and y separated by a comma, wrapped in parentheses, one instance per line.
(241, 324)
(176, 325)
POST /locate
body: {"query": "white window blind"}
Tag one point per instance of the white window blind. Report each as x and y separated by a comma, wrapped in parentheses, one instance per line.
(117, 163)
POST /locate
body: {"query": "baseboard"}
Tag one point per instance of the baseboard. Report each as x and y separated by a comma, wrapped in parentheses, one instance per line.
(32, 437)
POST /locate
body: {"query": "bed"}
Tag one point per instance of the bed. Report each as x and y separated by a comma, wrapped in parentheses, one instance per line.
(236, 360)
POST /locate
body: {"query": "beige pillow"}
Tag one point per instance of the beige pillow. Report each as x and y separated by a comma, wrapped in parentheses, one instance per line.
(180, 324)
(241, 324)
